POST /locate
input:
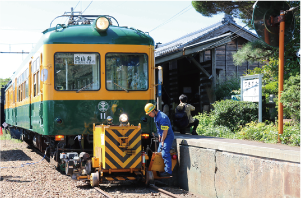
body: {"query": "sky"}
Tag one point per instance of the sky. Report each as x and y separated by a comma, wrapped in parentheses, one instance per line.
(22, 22)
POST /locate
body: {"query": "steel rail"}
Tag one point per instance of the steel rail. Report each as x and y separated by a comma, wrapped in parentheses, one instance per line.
(96, 188)
(103, 192)
(163, 191)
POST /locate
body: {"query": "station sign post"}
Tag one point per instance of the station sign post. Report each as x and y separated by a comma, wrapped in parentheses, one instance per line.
(250, 87)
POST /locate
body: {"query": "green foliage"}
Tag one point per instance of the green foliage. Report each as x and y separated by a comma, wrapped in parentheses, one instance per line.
(3, 82)
(267, 133)
(269, 71)
(270, 88)
(291, 135)
(227, 88)
(6, 136)
(263, 132)
(239, 9)
(290, 98)
(260, 51)
(234, 114)
(206, 126)
(253, 52)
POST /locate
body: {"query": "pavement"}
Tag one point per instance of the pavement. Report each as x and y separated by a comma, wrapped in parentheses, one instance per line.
(253, 148)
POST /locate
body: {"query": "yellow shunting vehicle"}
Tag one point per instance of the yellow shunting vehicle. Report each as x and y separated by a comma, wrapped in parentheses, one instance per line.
(117, 156)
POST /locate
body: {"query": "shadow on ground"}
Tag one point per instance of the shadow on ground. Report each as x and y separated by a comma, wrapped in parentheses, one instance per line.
(13, 155)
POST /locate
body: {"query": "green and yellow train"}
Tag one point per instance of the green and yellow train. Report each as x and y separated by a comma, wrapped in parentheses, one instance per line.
(82, 76)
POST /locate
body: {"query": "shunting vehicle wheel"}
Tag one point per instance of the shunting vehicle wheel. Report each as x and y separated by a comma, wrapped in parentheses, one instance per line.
(94, 179)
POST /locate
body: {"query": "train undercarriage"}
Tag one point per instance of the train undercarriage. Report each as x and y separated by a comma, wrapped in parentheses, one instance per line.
(111, 154)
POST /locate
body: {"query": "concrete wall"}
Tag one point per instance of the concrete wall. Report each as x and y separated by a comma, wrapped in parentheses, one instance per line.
(213, 168)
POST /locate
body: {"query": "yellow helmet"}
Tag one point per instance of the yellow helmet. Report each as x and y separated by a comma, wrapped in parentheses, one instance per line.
(149, 107)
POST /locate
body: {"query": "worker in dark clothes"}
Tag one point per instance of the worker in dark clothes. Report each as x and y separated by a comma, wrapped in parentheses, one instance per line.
(166, 136)
(188, 108)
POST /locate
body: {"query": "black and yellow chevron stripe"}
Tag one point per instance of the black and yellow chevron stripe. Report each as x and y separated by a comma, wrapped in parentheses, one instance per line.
(117, 157)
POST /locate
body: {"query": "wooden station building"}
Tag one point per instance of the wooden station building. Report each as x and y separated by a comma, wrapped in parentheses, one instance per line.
(195, 63)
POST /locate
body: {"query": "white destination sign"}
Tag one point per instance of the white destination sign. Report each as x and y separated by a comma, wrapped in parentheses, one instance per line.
(84, 59)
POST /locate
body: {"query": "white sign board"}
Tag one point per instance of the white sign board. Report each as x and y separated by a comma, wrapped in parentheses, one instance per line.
(250, 87)
(84, 59)
(250, 90)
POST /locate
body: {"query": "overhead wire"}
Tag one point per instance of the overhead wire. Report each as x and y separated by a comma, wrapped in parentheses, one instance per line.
(87, 7)
(76, 4)
(173, 17)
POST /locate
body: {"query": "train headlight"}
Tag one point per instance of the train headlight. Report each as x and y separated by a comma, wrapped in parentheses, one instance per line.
(101, 24)
(123, 118)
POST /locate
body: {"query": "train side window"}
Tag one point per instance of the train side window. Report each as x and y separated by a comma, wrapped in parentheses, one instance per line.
(26, 88)
(126, 71)
(38, 82)
(18, 94)
(34, 85)
(24, 93)
(14, 93)
(21, 92)
(72, 69)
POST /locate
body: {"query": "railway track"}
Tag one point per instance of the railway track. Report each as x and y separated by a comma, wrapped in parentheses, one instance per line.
(163, 191)
(108, 195)
(151, 187)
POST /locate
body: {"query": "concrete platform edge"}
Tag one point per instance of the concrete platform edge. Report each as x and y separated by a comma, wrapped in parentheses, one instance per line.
(266, 152)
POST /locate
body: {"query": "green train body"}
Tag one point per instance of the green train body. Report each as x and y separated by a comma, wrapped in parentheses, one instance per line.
(40, 104)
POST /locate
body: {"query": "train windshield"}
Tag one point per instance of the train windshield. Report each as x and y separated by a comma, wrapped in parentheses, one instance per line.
(126, 71)
(76, 71)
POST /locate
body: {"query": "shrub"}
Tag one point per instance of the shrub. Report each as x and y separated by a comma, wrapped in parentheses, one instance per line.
(234, 114)
(291, 135)
(267, 133)
(231, 115)
(271, 88)
(290, 98)
(226, 88)
(206, 127)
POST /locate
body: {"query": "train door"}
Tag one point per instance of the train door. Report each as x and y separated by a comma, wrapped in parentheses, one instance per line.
(40, 87)
(14, 108)
(30, 95)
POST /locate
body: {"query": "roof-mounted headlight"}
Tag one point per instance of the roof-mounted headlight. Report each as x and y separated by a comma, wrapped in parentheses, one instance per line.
(101, 24)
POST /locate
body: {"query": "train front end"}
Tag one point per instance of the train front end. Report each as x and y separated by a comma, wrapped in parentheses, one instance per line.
(95, 75)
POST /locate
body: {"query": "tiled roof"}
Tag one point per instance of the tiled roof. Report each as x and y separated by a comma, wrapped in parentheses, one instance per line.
(178, 44)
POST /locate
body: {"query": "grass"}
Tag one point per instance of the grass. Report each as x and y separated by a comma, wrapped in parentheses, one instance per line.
(266, 132)
(6, 136)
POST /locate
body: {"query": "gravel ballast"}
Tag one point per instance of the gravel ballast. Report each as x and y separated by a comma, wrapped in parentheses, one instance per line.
(19, 178)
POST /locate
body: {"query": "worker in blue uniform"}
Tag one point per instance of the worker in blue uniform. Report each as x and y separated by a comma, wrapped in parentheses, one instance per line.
(166, 136)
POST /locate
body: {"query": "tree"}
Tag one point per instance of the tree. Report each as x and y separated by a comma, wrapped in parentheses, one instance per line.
(239, 9)
(3, 82)
(260, 51)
